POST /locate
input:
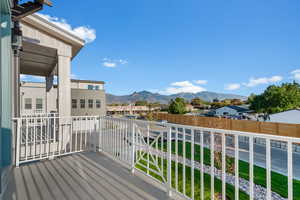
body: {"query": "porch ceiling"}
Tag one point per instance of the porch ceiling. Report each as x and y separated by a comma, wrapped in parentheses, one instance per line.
(37, 60)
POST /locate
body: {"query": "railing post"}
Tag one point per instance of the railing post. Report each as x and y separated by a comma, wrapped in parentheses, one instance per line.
(100, 134)
(169, 157)
(18, 142)
(133, 147)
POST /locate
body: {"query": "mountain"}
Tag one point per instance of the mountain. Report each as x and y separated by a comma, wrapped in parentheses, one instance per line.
(164, 99)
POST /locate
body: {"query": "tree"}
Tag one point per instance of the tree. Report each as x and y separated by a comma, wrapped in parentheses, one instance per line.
(276, 99)
(177, 106)
(141, 103)
(197, 102)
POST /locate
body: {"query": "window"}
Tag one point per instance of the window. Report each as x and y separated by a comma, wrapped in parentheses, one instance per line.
(98, 103)
(39, 104)
(97, 87)
(91, 102)
(28, 103)
(74, 103)
(82, 103)
(90, 87)
(56, 103)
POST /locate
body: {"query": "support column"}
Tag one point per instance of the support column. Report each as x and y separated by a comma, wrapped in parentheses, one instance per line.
(64, 102)
(5, 96)
(49, 87)
(64, 86)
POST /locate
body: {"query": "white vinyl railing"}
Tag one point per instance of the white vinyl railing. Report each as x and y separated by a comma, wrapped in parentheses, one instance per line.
(194, 162)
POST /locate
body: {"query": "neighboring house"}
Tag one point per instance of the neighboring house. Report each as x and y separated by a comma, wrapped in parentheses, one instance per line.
(130, 109)
(289, 116)
(87, 98)
(231, 110)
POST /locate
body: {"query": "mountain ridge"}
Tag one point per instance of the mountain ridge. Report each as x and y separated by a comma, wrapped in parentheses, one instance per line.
(164, 99)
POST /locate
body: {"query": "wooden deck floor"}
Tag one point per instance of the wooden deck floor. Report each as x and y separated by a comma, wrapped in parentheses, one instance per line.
(80, 176)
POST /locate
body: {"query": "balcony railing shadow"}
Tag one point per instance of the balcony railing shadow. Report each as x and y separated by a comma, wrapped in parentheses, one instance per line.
(86, 175)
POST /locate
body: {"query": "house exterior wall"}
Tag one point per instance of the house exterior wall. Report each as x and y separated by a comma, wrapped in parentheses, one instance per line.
(33, 91)
(229, 111)
(291, 116)
(86, 95)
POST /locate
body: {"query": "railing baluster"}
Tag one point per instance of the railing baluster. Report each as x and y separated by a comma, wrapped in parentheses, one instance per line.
(148, 148)
(290, 169)
(268, 167)
(223, 166)
(169, 153)
(54, 135)
(193, 164)
(85, 133)
(212, 165)
(18, 146)
(251, 171)
(202, 164)
(236, 166)
(176, 162)
(184, 161)
(41, 137)
(26, 139)
(132, 147)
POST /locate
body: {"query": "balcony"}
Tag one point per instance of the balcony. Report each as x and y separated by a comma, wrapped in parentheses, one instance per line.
(109, 158)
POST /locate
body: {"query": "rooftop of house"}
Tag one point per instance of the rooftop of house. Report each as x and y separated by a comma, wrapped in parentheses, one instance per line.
(87, 81)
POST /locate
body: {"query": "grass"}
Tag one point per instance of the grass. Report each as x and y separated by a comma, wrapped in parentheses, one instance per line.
(279, 182)
(230, 192)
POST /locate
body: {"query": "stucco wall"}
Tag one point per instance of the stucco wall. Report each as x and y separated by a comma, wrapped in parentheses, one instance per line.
(88, 94)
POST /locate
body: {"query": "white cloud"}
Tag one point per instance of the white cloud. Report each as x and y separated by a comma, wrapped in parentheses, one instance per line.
(112, 63)
(259, 81)
(296, 74)
(201, 82)
(182, 84)
(85, 32)
(233, 86)
(109, 64)
(182, 87)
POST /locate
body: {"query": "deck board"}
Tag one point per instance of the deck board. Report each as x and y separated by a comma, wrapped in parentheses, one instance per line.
(86, 176)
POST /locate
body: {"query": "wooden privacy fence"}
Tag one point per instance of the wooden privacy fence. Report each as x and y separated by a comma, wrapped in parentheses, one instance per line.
(282, 129)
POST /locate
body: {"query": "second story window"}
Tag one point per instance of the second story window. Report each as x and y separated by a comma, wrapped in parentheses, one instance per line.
(28, 103)
(39, 104)
(74, 103)
(98, 103)
(90, 87)
(82, 103)
(91, 102)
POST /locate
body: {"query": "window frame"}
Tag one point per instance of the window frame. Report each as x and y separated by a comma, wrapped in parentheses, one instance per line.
(82, 103)
(25, 104)
(98, 103)
(74, 104)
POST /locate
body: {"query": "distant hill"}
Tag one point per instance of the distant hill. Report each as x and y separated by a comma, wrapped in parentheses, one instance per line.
(164, 99)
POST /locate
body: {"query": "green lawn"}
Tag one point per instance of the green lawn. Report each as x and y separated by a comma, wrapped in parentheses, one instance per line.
(278, 181)
(230, 194)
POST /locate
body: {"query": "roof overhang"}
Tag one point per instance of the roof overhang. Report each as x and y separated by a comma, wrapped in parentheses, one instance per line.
(37, 60)
(55, 31)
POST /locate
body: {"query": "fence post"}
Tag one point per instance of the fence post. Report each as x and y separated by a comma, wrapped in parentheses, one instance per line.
(169, 153)
(133, 147)
(18, 142)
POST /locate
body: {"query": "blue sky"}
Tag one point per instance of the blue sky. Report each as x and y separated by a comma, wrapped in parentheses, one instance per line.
(170, 46)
